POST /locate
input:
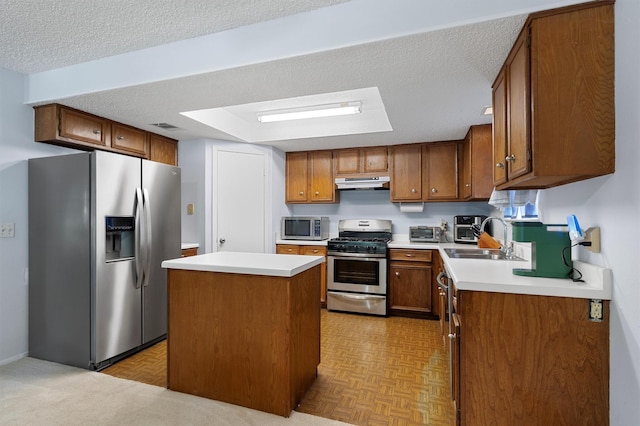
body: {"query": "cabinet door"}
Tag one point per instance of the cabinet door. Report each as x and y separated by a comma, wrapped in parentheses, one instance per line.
(163, 150)
(321, 171)
(479, 162)
(519, 101)
(374, 160)
(319, 251)
(296, 180)
(82, 127)
(410, 286)
(455, 364)
(406, 173)
(499, 129)
(129, 140)
(347, 161)
(441, 171)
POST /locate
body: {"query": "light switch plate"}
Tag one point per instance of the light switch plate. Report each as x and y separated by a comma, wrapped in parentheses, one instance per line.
(7, 230)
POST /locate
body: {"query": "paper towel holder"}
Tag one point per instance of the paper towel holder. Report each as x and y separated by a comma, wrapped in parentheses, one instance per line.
(412, 207)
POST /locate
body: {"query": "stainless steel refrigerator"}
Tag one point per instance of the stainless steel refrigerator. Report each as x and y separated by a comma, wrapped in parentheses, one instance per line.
(100, 225)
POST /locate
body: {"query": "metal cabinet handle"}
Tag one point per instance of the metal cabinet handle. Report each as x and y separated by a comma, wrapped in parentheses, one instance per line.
(413, 190)
(500, 165)
(222, 240)
(301, 192)
(96, 132)
(468, 185)
(452, 336)
(119, 137)
(433, 190)
(409, 255)
(317, 193)
(397, 274)
(510, 158)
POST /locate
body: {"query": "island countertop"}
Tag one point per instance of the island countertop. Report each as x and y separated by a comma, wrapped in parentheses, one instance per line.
(276, 265)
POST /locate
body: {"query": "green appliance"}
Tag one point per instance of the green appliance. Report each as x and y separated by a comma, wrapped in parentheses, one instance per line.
(547, 245)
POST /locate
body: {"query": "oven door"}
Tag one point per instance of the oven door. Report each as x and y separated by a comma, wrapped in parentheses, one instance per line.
(357, 273)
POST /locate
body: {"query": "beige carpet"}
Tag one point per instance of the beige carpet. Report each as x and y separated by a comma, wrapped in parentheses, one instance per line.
(35, 392)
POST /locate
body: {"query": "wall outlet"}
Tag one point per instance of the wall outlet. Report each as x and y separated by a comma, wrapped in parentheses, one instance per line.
(592, 235)
(7, 230)
(596, 310)
(443, 225)
(190, 208)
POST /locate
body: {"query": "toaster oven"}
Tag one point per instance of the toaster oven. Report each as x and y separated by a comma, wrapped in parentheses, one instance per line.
(424, 234)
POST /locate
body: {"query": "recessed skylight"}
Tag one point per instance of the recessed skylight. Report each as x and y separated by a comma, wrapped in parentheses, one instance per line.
(241, 121)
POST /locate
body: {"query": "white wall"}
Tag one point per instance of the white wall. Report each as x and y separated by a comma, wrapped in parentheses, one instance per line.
(196, 158)
(16, 146)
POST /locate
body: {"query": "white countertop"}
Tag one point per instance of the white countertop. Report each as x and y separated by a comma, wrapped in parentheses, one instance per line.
(189, 245)
(497, 275)
(277, 265)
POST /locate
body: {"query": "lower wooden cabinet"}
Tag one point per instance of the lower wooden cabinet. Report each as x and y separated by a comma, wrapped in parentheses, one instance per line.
(526, 359)
(310, 250)
(189, 252)
(411, 282)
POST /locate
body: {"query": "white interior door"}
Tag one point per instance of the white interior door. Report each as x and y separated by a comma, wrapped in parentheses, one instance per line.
(240, 202)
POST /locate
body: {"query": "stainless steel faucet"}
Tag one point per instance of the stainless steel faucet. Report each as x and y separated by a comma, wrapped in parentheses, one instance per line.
(507, 246)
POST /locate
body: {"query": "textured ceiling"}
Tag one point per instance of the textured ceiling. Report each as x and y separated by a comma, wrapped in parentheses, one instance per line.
(433, 83)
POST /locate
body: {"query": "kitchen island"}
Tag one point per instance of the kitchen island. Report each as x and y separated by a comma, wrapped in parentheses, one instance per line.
(244, 328)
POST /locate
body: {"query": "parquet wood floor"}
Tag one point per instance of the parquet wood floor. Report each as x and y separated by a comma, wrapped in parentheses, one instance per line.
(373, 371)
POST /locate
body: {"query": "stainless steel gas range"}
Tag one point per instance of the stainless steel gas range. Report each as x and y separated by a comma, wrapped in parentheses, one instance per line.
(357, 267)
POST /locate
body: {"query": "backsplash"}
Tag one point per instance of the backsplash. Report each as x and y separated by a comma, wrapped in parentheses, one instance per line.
(375, 204)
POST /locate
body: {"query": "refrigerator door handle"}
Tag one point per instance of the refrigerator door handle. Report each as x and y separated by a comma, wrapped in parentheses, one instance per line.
(148, 242)
(139, 251)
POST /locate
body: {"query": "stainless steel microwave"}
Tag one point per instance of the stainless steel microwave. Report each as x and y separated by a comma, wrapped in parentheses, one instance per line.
(304, 228)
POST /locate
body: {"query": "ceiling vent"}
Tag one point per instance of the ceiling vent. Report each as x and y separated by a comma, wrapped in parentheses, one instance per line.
(165, 126)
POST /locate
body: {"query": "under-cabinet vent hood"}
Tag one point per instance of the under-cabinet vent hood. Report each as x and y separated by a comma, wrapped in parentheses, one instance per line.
(378, 182)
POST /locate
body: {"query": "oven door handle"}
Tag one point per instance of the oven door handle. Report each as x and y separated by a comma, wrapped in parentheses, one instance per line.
(358, 296)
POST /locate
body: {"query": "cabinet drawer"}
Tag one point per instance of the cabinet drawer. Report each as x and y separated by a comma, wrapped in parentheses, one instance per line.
(313, 250)
(287, 249)
(129, 139)
(189, 252)
(410, 255)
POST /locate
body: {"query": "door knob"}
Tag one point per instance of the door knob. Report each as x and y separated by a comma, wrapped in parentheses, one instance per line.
(222, 240)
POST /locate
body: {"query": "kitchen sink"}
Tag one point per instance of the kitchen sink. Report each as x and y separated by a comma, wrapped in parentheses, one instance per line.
(479, 253)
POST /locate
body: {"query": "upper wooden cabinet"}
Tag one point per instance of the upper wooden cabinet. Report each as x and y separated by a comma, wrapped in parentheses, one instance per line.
(406, 172)
(163, 150)
(129, 140)
(476, 180)
(309, 177)
(69, 127)
(61, 125)
(440, 171)
(361, 161)
(554, 111)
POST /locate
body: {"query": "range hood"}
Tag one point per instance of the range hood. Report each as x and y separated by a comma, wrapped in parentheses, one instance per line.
(378, 182)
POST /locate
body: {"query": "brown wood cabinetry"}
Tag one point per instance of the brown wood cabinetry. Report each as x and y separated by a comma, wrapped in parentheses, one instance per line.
(129, 140)
(310, 251)
(189, 252)
(61, 125)
(309, 177)
(440, 171)
(526, 359)
(163, 150)
(361, 161)
(406, 172)
(476, 180)
(410, 282)
(554, 111)
(249, 340)
(70, 127)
